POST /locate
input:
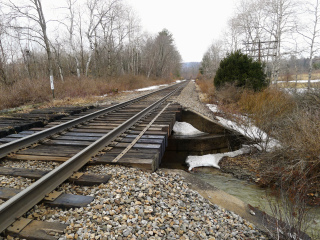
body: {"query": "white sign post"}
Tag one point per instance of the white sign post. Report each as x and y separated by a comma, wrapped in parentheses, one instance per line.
(52, 85)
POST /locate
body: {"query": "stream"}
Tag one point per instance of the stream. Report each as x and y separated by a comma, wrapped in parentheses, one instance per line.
(252, 194)
(185, 145)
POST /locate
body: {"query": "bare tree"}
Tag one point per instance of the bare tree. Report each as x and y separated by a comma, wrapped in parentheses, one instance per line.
(148, 55)
(100, 13)
(71, 32)
(33, 12)
(232, 35)
(263, 29)
(251, 20)
(3, 75)
(310, 32)
(120, 27)
(211, 59)
(165, 52)
(282, 22)
(159, 56)
(57, 49)
(134, 50)
(102, 38)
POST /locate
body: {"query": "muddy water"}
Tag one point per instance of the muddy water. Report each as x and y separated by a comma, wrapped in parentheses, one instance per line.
(252, 194)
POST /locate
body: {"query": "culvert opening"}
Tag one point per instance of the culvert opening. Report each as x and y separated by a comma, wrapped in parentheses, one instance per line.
(213, 139)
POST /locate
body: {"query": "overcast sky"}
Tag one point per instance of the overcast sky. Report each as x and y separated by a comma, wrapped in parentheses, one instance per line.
(193, 23)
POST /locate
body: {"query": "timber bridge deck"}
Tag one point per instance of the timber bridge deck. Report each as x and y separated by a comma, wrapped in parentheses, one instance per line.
(134, 133)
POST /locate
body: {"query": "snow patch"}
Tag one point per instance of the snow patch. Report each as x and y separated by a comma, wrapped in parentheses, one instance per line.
(248, 129)
(104, 95)
(266, 143)
(213, 107)
(300, 81)
(151, 88)
(179, 81)
(183, 128)
(298, 90)
(212, 160)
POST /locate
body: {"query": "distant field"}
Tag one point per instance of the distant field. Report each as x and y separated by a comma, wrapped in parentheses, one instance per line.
(303, 76)
(299, 84)
(289, 82)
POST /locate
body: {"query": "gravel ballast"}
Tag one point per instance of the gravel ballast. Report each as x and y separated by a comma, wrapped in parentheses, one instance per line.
(189, 99)
(140, 205)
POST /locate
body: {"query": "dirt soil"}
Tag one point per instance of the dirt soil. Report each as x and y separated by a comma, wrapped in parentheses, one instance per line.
(244, 167)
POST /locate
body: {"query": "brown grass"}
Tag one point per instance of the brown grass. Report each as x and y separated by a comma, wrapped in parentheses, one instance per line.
(207, 88)
(294, 120)
(267, 107)
(294, 168)
(82, 90)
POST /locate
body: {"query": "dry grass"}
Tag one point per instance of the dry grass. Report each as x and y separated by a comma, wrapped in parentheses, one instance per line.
(266, 108)
(300, 135)
(207, 89)
(229, 94)
(293, 169)
(71, 91)
(294, 120)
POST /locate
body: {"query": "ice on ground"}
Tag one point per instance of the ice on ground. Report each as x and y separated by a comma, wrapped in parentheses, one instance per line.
(266, 143)
(183, 128)
(179, 81)
(249, 130)
(212, 160)
(298, 90)
(151, 88)
(300, 81)
(213, 107)
(104, 95)
(156, 87)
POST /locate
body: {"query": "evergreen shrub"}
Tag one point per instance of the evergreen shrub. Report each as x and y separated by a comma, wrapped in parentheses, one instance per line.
(242, 71)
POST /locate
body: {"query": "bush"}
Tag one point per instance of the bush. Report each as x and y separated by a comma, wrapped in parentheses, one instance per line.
(229, 94)
(241, 70)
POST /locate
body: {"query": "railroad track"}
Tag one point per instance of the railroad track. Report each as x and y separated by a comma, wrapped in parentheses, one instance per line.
(110, 135)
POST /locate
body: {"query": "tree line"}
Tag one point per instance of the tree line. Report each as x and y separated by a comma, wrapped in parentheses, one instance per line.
(82, 38)
(274, 32)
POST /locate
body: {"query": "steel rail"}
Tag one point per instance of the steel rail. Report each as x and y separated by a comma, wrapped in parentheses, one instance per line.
(139, 136)
(13, 146)
(19, 204)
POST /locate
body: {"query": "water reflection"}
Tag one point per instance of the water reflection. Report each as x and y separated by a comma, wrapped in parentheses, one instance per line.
(251, 194)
